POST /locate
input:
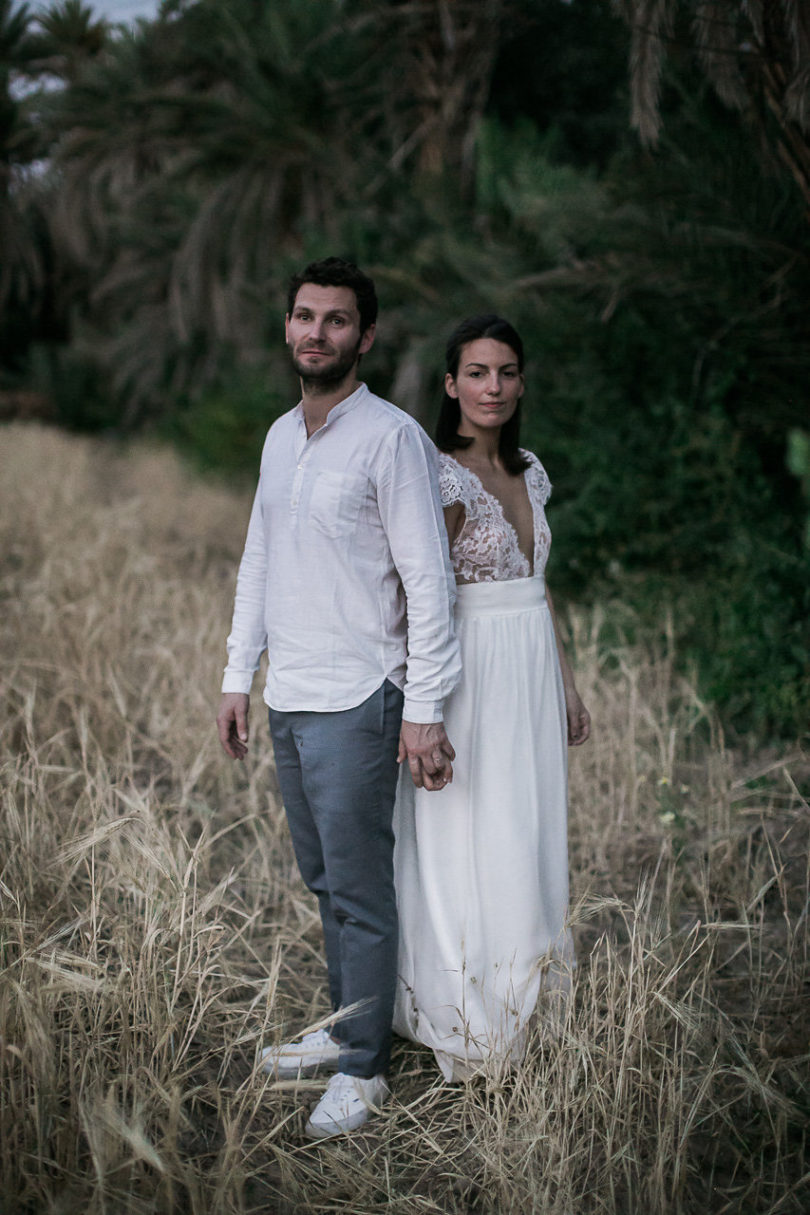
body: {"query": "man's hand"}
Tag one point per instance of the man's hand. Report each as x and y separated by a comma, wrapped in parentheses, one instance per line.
(232, 723)
(428, 752)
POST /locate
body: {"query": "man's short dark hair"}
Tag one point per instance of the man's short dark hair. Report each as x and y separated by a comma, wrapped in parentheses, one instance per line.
(335, 272)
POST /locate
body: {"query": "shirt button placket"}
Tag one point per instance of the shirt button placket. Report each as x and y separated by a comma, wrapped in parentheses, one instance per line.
(298, 481)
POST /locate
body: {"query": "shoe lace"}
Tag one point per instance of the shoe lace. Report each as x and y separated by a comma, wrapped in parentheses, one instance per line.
(342, 1085)
(318, 1037)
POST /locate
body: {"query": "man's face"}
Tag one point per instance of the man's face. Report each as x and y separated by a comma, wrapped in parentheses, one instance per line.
(323, 334)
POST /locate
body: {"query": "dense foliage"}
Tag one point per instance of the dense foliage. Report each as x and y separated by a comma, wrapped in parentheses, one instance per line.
(158, 185)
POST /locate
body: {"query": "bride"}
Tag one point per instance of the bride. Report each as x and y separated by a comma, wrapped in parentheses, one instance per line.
(482, 865)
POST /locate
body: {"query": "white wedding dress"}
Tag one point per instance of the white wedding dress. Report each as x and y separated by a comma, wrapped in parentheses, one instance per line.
(482, 865)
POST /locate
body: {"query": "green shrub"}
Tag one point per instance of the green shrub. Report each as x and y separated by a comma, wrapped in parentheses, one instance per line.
(224, 428)
(75, 386)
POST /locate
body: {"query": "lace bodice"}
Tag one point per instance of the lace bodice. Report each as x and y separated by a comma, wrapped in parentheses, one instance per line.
(486, 549)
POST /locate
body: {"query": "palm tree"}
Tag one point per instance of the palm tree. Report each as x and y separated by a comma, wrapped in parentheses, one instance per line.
(755, 54)
(68, 34)
(21, 262)
(36, 51)
(195, 154)
(443, 53)
(190, 154)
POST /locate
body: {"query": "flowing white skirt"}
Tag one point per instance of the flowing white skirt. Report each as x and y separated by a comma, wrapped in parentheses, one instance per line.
(482, 866)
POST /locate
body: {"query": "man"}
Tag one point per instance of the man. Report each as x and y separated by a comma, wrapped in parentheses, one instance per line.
(346, 581)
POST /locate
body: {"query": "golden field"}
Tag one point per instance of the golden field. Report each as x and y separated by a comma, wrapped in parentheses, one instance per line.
(154, 932)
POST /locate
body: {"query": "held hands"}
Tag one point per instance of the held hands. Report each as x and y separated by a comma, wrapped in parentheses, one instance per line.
(579, 719)
(232, 723)
(429, 753)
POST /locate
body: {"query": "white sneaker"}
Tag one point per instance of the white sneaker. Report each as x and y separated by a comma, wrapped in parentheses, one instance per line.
(347, 1103)
(315, 1052)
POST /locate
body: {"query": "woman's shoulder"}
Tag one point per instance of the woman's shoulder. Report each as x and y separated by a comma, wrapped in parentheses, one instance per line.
(454, 480)
(536, 475)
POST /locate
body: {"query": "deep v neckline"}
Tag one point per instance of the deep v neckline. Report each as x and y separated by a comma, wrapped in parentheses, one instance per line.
(507, 522)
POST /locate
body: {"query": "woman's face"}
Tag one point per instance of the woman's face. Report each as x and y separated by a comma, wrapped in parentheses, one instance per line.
(488, 385)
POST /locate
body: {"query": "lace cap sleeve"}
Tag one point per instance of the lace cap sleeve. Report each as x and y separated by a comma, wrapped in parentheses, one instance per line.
(537, 476)
(451, 483)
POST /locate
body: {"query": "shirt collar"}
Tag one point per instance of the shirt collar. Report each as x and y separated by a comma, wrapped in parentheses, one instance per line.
(338, 410)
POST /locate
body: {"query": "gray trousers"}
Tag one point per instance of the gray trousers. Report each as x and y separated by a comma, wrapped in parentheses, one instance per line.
(338, 777)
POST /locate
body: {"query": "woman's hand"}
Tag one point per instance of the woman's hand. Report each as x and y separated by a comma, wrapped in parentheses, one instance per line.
(579, 719)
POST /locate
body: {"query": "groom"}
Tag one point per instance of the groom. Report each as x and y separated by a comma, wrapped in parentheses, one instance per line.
(345, 580)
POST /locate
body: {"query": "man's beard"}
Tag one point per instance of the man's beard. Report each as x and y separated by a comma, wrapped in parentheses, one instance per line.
(322, 379)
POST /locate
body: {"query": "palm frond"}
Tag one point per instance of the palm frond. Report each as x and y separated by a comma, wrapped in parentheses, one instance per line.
(651, 22)
(720, 40)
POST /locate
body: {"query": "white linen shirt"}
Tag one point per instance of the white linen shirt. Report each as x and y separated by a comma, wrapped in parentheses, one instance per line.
(346, 579)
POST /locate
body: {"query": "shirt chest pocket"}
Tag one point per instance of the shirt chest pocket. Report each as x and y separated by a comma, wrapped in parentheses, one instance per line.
(336, 501)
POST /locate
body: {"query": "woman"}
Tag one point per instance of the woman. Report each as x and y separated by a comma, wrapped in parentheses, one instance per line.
(482, 865)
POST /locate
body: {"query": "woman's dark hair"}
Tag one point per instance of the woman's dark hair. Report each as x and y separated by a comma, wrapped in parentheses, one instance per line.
(447, 437)
(335, 272)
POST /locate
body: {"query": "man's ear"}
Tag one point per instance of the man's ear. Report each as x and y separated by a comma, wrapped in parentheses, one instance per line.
(287, 327)
(367, 339)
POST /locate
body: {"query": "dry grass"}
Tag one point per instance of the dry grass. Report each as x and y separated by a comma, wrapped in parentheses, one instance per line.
(154, 932)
